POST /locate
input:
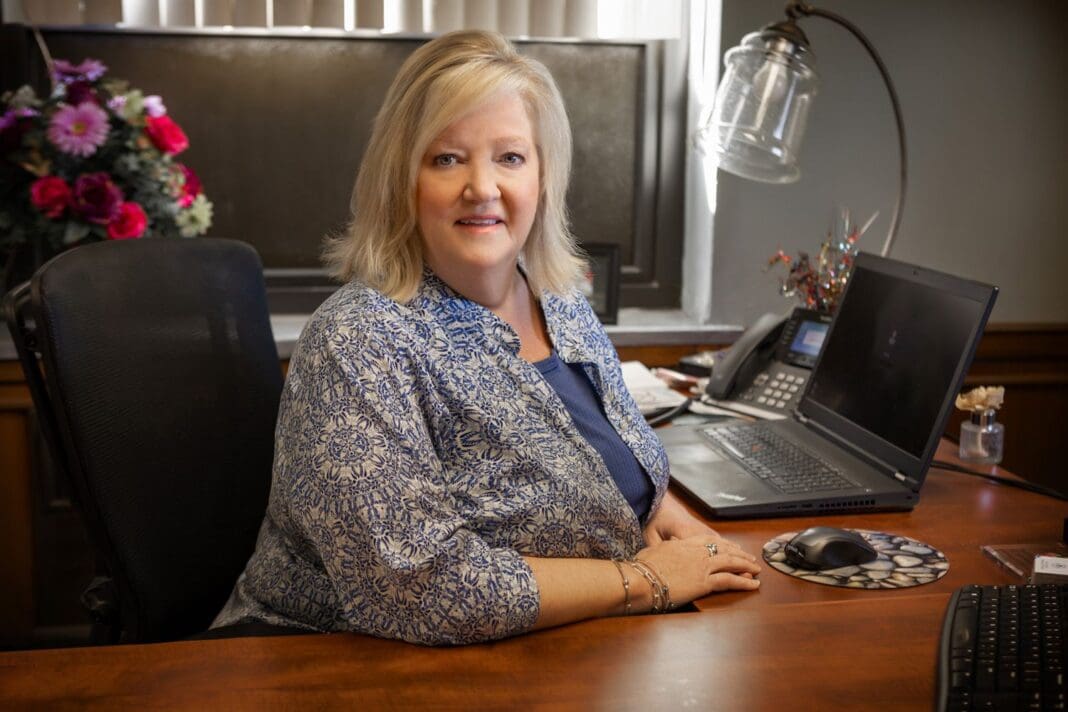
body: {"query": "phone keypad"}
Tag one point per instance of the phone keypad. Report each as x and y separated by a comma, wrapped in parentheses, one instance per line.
(774, 390)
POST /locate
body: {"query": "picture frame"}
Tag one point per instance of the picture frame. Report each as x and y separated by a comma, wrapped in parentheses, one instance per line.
(601, 286)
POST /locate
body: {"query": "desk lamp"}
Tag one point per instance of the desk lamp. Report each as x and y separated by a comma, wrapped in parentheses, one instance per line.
(758, 119)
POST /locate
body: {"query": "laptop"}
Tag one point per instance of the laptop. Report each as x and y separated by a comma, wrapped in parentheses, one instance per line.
(873, 409)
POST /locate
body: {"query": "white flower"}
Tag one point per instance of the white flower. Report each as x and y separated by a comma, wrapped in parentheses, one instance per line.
(981, 398)
(154, 106)
(24, 97)
(133, 106)
(196, 219)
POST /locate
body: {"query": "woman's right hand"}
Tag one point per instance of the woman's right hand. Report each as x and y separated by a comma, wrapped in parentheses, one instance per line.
(689, 569)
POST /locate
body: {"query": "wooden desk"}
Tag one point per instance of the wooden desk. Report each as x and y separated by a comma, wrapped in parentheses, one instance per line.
(791, 645)
(46, 557)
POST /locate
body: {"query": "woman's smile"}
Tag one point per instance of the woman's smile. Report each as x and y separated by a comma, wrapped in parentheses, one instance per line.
(480, 223)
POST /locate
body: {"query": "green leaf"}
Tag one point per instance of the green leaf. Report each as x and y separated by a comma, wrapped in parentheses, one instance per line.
(75, 231)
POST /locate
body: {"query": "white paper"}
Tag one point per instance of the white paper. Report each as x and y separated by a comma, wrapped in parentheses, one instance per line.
(736, 407)
(650, 393)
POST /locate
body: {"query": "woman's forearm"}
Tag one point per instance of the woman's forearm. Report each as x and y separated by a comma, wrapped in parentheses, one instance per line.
(683, 568)
(576, 589)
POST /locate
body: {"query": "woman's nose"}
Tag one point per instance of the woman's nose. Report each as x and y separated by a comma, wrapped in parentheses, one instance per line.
(481, 185)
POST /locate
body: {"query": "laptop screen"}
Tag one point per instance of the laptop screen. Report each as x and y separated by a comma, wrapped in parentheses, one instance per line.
(894, 353)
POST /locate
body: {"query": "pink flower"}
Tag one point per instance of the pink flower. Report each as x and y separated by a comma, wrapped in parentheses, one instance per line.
(79, 130)
(167, 135)
(50, 195)
(12, 116)
(14, 124)
(96, 198)
(191, 188)
(63, 72)
(154, 106)
(131, 222)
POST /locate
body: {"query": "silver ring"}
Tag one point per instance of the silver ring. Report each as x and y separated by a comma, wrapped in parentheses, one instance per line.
(712, 549)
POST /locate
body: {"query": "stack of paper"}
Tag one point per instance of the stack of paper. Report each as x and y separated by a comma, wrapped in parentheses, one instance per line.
(650, 392)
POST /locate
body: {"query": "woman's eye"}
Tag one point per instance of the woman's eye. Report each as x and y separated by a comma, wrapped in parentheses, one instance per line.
(445, 159)
(512, 159)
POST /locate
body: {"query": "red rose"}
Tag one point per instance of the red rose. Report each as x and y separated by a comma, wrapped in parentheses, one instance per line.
(14, 125)
(80, 91)
(130, 223)
(96, 198)
(191, 188)
(167, 135)
(50, 195)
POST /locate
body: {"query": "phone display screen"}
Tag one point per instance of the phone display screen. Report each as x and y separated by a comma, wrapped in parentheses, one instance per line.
(802, 338)
(809, 338)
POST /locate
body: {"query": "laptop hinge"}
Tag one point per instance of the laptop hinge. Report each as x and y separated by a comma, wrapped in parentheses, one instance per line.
(863, 454)
(900, 477)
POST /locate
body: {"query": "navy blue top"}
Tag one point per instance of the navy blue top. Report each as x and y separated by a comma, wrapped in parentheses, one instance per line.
(571, 383)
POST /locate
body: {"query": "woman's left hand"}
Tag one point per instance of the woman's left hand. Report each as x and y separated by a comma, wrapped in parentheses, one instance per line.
(673, 521)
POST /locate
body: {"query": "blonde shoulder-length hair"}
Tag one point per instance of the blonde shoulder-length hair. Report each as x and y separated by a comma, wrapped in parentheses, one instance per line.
(440, 82)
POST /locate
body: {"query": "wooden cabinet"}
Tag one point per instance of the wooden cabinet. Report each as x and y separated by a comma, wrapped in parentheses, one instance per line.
(43, 545)
(17, 609)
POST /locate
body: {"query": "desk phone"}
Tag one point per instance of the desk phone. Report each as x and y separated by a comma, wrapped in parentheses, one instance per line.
(769, 365)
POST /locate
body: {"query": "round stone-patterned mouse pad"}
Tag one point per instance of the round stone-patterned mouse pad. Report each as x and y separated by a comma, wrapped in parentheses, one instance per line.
(902, 562)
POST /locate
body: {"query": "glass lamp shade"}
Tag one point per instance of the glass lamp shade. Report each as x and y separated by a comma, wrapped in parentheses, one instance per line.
(761, 108)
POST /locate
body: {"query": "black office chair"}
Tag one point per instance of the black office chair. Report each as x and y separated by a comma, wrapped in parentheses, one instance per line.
(158, 395)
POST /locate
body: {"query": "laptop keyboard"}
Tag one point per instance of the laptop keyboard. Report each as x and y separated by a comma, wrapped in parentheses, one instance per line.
(776, 460)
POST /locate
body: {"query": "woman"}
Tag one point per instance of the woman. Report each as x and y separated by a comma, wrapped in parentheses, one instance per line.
(457, 458)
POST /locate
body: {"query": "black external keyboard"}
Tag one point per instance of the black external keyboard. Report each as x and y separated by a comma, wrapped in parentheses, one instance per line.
(1003, 648)
(776, 460)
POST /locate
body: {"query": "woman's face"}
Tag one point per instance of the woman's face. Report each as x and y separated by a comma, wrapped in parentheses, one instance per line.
(477, 193)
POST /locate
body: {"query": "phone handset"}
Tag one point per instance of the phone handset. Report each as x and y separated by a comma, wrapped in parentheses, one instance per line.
(748, 356)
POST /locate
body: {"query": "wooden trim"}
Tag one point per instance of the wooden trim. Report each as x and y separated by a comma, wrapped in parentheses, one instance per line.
(662, 355)
(11, 372)
(1021, 354)
(1019, 326)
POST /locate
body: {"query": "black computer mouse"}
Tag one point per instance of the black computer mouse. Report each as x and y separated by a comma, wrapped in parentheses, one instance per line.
(828, 548)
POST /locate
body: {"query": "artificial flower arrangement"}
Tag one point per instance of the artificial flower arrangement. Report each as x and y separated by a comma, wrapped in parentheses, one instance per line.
(94, 161)
(820, 286)
(981, 399)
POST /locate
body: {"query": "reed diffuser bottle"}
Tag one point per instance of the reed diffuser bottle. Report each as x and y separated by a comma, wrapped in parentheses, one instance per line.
(982, 438)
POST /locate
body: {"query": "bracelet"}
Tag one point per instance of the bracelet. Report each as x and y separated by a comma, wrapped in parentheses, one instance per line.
(666, 590)
(626, 586)
(654, 585)
(660, 590)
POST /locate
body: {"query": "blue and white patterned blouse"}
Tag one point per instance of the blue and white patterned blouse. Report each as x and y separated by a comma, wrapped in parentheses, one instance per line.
(418, 457)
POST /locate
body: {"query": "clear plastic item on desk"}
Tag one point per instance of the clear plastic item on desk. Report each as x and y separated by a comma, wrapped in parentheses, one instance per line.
(982, 438)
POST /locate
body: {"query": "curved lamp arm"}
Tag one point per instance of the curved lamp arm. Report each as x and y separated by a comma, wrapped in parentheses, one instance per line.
(796, 9)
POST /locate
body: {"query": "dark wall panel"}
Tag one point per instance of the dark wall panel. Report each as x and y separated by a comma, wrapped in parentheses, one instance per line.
(278, 124)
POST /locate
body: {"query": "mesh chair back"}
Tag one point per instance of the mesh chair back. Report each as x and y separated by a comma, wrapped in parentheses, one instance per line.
(165, 381)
